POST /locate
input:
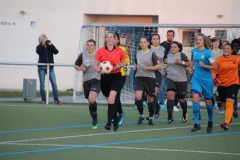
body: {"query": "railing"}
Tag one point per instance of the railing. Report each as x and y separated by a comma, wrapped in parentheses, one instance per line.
(41, 64)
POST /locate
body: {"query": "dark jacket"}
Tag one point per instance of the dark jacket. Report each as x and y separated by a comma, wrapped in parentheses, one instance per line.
(167, 46)
(46, 54)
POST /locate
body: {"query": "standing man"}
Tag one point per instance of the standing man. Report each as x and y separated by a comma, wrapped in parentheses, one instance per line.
(167, 45)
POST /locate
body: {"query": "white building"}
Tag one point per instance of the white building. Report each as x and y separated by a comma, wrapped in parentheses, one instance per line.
(61, 21)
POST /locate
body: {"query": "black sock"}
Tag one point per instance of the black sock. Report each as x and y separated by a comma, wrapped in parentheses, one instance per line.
(170, 108)
(139, 104)
(111, 112)
(151, 108)
(93, 108)
(184, 107)
(219, 102)
(157, 107)
(118, 105)
(235, 104)
(213, 101)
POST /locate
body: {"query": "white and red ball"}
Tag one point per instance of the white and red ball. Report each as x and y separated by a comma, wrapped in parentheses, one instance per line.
(105, 67)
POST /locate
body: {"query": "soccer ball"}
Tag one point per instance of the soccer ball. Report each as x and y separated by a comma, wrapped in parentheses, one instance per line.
(105, 67)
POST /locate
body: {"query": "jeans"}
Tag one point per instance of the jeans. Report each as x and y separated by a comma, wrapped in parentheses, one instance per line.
(41, 73)
(161, 95)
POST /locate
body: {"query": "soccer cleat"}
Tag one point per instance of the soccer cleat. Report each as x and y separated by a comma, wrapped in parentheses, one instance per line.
(115, 124)
(225, 126)
(196, 127)
(221, 111)
(175, 109)
(120, 122)
(108, 126)
(44, 101)
(157, 112)
(95, 127)
(185, 118)
(151, 121)
(209, 127)
(140, 120)
(163, 106)
(145, 104)
(170, 120)
(57, 102)
(135, 106)
(235, 114)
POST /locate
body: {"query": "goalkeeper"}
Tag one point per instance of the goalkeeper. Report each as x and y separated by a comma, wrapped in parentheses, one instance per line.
(125, 71)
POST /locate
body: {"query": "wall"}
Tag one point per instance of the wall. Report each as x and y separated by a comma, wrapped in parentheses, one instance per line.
(61, 21)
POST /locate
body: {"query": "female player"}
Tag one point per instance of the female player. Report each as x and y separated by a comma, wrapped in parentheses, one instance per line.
(176, 79)
(91, 79)
(110, 82)
(236, 45)
(159, 50)
(146, 63)
(228, 65)
(124, 72)
(217, 51)
(203, 62)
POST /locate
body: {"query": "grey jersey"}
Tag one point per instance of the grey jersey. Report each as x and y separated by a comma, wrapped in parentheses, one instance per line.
(217, 54)
(176, 72)
(88, 61)
(160, 52)
(146, 59)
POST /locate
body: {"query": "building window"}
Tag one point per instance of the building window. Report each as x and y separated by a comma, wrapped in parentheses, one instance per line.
(188, 38)
(222, 34)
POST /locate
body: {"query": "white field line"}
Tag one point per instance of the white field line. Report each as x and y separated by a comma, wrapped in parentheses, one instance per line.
(132, 148)
(102, 134)
(170, 150)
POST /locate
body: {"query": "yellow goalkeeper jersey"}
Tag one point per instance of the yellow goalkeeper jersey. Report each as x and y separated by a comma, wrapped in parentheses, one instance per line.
(127, 60)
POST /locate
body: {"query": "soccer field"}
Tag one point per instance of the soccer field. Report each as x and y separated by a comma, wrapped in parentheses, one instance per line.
(35, 131)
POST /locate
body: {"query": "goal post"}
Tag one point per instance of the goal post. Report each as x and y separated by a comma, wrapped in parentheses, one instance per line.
(129, 38)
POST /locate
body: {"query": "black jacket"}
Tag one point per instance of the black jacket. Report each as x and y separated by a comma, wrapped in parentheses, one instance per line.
(46, 54)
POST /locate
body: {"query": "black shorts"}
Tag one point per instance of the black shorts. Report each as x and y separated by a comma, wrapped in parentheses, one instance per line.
(145, 84)
(91, 85)
(158, 80)
(228, 92)
(111, 82)
(179, 87)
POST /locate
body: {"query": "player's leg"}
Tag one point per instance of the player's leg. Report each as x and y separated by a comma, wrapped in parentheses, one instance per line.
(175, 108)
(121, 114)
(196, 91)
(171, 90)
(207, 94)
(139, 88)
(149, 86)
(94, 91)
(220, 107)
(181, 94)
(157, 106)
(235, 113)
(231, 93)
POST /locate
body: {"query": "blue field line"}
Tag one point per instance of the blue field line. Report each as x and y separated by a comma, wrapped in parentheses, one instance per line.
(84, 125)
(118, 143)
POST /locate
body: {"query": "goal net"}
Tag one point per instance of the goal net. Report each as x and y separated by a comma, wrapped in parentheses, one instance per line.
(129, 37)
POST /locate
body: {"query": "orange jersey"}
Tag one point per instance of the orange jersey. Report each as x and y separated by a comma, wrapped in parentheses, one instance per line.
(114, 57)
(228, 70)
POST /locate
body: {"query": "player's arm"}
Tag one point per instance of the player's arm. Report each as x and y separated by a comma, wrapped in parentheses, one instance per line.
(190, 68)
(97, 61)
(135, 63)
(213, 65)
(78, 64)
(183, 61)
